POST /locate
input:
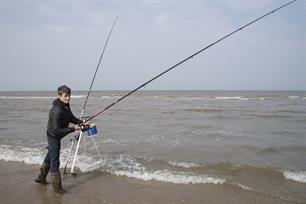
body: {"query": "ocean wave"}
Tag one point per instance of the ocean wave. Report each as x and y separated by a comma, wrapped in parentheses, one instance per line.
(184, 164)
(109, 97)
(269, 115)
(21, 154)
(238, 98)
(171, 177)
(282, 149)
(230, 98)
(26, 97)
(38, 97)
(78, 96)
(204, 110)
(268, 150)
(257, 98)
(130, 167)
(299, 176)
(290, 111)
(122, 166)
(244, 187)
(220, 135)
(293, 97)
(191, 98)
(150, 169)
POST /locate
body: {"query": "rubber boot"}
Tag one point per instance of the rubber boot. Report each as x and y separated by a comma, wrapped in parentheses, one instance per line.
(57, 182)
(44, 170)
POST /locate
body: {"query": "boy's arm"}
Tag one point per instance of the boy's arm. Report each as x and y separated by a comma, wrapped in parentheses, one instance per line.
(75, 120)
(56, 120)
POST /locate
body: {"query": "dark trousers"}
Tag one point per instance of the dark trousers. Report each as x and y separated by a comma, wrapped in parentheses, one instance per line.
(53, 156)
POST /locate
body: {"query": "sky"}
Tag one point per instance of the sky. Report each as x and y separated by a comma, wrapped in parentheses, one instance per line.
(45, 44)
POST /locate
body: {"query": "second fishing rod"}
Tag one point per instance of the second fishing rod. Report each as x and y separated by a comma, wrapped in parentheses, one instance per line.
(186, 59)
(78, 137)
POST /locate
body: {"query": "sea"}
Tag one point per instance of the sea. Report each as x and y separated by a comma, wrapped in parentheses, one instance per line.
(251, 140)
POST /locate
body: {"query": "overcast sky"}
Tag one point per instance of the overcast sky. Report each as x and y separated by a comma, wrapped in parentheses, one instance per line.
(44, 44)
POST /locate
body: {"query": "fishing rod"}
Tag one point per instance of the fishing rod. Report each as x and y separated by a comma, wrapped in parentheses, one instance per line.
(186, 59)
(79, 136)
(99, 63)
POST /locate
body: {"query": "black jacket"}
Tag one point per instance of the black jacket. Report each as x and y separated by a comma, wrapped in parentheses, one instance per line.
(60, 116)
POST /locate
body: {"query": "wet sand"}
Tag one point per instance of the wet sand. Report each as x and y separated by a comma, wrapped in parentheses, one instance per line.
(17, 186)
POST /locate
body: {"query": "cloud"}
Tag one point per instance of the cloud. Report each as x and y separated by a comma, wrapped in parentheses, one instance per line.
(60, 42)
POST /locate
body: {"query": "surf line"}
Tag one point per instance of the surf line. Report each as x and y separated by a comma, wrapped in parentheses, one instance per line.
(186, 59)
(78, 137)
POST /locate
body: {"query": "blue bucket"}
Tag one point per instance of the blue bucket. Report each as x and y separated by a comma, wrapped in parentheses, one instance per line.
(92, 130)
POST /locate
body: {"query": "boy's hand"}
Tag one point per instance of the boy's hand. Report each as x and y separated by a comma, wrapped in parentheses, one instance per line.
(77, 127)
(84, 127)
(86, 123)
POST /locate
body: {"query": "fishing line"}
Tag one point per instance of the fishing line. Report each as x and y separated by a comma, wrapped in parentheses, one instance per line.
(186, 59)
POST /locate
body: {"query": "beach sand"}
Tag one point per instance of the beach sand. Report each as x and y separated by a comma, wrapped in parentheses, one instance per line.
(18, 186)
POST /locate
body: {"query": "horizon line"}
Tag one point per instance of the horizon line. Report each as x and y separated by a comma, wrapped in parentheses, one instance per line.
(49, 90)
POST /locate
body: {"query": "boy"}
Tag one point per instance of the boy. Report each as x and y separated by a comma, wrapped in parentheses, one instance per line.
(60, 116)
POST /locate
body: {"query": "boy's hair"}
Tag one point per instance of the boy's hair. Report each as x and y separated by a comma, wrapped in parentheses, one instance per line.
(63, 89)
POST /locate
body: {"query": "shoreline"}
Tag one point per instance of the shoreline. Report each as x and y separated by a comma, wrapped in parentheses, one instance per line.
(18, 186)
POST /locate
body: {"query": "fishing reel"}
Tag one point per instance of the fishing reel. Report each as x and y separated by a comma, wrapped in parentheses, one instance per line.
(84, 128)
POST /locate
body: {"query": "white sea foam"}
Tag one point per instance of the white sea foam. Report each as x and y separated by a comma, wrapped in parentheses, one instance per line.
(125, 165)
(109, 97)
(31, 155)
(21, 154)
(171, 177)
(184, 164)
(231, 98)
(299, 176)
(293, 97)
(78, 96)
(239, 98)
(191, 98)
(244, 187)
(255, 98)
(130, 167)
(122, 166)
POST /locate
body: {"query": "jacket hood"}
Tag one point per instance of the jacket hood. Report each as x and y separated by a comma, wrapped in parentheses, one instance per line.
(58, 102)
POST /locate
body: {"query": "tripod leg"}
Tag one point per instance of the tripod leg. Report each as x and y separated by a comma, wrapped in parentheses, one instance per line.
(76, 153)
(96, 146)
(68, 157)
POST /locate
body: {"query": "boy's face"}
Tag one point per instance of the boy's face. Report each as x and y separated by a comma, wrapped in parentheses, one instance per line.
(65, 98)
